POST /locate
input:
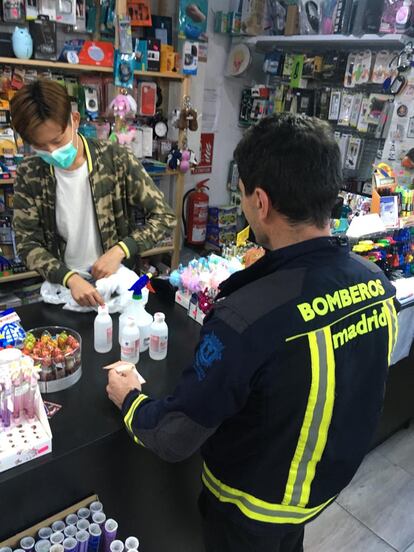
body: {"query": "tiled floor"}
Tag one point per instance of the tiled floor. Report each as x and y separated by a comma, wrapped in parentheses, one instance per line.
(375, 513)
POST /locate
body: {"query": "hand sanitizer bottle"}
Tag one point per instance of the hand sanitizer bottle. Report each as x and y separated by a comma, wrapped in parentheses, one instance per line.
(130, 341)
(158, 337)
(103, 331)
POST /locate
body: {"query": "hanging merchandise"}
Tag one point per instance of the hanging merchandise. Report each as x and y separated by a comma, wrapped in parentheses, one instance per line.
(22, 43)
(329, 8)
(48, 9)
(13, 11)
(141, 55)
(404, 17)
(43, 32)
(91, 102)
(189, 58)
(147, 98)
(124, 70)
(310, 16)
(32, 9)
(153, 54)
(125, 35)
(188, 117)
(80, 24)
(389, 16)
(140, 13)
(276, 14)
(403, 60)
(239, 60)
(196, 209)
(253, 17)
(192, 19)
(66, 12)
(123, 106)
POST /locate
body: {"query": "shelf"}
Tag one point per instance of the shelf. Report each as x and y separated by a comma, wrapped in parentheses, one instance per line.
(6, 181)
(326, 42)
(16, 277)
(165, 173)
(49, 64)
(157, 251)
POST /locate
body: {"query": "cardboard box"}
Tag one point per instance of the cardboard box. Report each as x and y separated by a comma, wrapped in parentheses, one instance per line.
(292, 21)
(221, 236)
(14, 541)
(224, 215)
(183, 298)
(28, 442)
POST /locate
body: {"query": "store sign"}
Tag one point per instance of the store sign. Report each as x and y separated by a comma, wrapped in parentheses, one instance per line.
(206, 154)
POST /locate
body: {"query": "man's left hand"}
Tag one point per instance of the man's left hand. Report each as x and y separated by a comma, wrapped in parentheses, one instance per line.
(120, 384)
(108, 264)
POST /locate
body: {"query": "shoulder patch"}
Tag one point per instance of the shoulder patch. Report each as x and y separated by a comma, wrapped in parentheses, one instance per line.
(209, 351)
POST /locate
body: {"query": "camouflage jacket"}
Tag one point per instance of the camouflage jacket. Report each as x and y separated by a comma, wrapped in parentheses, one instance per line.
(119, 184)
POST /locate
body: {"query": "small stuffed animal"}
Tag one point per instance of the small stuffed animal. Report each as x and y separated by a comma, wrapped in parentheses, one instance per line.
(22, 43)
(122, 105)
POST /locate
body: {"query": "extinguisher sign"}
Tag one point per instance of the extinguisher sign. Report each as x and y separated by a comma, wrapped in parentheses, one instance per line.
(206, 154)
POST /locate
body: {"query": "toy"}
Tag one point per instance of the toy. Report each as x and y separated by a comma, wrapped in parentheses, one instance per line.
(174, 158)
(22, 43)
(185, 161)
(123, 105)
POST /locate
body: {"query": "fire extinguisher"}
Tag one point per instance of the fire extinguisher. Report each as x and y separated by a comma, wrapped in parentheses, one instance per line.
(195, 222)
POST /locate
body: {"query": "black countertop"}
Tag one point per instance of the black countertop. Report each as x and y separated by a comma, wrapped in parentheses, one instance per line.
(87, 415)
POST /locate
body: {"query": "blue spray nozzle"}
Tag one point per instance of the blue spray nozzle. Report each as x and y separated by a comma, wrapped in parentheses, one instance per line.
(139, 285)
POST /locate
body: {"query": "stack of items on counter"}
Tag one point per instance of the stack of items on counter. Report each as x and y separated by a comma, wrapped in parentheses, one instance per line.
(198, 282)
(24, 429)
(86, 529)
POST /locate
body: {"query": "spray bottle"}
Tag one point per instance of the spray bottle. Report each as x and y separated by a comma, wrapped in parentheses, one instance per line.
(103, 331)
(136, 309)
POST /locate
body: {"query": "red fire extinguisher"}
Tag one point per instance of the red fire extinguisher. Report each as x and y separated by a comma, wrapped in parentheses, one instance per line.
(195, 223)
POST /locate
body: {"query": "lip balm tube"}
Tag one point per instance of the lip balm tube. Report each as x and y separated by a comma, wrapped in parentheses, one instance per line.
(43, 546)
(44, 533)
(27, 543)
(109, 534)
(57, 538)
(83, 513)
(94, 537)
(57, 548)
(83, 525)
(99, 518)
(70, 544)
(131, 543)
(70, 531)
(58, 526)
(116, 546)
(96, 507)
(71, 519)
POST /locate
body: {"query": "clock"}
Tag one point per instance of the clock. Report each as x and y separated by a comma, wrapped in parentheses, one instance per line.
(159, 126)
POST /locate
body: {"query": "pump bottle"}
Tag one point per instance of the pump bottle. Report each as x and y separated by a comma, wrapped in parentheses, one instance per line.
(103, 331)
(158, 337)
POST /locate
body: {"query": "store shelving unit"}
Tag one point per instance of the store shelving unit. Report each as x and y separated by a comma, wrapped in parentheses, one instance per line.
(326, 42)
(167, 78)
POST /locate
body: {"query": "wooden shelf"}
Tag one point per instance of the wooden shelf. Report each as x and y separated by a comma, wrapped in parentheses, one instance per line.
(165, 173)
(6, 181)
(157, 251)
(49, 64)
(16, 277)
(327, 42)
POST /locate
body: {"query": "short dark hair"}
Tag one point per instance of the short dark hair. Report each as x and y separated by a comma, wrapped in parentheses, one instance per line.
(37, 102)
(296, 161)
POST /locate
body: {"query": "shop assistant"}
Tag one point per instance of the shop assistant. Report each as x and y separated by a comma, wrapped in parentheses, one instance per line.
(74, 199)
(286, 386)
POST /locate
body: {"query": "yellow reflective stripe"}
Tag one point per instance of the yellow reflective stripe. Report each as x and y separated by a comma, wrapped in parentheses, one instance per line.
(304, 433)
(130, 414)
(67, 276)
(326, 418)
(257, 509)
(124, 249)
(390, 331)
(395, 318)
(87, 153)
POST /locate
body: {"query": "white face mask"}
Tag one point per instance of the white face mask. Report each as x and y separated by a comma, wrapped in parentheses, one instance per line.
(62, 157)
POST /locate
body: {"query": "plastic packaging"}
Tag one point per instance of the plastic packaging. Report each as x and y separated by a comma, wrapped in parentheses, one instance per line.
(130, 341)
(103, 331)
(158, 337)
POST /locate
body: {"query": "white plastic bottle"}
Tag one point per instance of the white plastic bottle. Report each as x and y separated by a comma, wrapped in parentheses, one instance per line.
(103, 331)
(158, 337)
(130, 340)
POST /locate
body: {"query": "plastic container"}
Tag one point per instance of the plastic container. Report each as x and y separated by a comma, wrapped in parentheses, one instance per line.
(103, 331)
(130, 341)
(58, 372)
(158, 337)
(136, 309)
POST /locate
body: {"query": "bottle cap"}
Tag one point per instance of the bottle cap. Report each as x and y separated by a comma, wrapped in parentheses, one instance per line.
(103, 310)
(159, 317)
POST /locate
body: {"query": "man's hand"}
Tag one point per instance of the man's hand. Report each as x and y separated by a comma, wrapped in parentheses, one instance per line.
(109, 263)
(120, 384)
(83, 292)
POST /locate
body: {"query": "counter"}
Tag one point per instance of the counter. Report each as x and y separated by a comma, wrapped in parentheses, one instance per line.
(92, 452)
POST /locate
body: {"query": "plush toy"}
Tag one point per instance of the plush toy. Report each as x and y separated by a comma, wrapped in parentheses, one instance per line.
(185, 161)
(174, 158)
(123, 105)
(22, 43)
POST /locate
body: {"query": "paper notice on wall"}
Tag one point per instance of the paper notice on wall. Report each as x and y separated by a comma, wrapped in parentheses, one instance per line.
(211, 109)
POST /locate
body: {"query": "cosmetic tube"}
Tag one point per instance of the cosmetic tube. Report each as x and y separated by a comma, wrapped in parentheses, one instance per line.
(70, 531)
(83, 525)
(71, 519)
(83, 513)
(96, 507)
(109, 534)
(56, 548)
(58, 526)
(94, 537)
(6, 549)
(43, 546)
(99, 518)
(117, 546)
(57, 538)
(131, 543)
(82, 538)
(44, 533)
(27, 543)
(70, 545)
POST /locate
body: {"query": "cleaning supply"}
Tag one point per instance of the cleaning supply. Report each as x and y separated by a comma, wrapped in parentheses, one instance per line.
(130, 341)
(103, 331)
(158, 337)
(136, 309)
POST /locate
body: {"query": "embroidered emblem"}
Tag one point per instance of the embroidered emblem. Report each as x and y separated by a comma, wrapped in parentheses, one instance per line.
(209, 351)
